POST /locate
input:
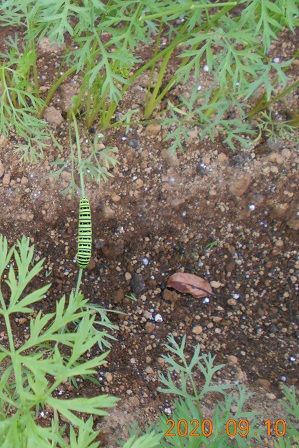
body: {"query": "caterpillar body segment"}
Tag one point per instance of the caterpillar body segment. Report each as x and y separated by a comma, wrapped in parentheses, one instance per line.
(84, 234)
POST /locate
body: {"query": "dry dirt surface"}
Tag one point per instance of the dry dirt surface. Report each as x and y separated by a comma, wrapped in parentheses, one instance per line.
(231, 218)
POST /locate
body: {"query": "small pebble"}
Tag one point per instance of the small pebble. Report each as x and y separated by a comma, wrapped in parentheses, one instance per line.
(232, 360)
(197, 329)
(109, 377)
(1, 169)
(215, 284)
(6, 179)
(149, 327)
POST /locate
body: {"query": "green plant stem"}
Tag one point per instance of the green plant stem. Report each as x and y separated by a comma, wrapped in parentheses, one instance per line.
(35, 77)
(215, 96)
(17, 373)
(9, 333)
(5, 91)
(82, 184)
(107, 117)
(90, 114)
(79, 280)
(262, 103)
(155, 98)
(294, 121)
(54, 88)
(191, 380)
(182, 8)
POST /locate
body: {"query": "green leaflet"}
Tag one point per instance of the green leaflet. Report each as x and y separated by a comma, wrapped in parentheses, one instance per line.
(32, 371)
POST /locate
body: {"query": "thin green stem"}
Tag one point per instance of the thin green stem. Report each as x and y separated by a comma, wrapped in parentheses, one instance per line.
(209, 24)
(106, 120)
(191, 379)
(79, 280)
(9, 334)
(2, 301)
(156, 49)
(72, 155)
(82, 185)
(154, 99)
(262, 103)
(181, 8)
(215, 97)
(294, 121)
(54, 88)
(13, 354)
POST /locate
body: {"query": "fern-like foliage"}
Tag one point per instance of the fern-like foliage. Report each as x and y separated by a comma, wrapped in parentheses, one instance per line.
(268, 18)
(183, 379)
(150, 440)
(19, 100)
(95, 165)
(291, 405)
(51, 354)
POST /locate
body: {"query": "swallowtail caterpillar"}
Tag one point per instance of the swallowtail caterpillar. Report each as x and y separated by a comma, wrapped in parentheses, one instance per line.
(84, 234)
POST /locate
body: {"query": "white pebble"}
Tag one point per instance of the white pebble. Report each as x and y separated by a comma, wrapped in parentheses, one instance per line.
(263, 223)
(236, 296)
(205, 68)
(145, 261)
(276, 60)
(251, 207)
(199, 88)
(168, 411)
(206, 300)
(158, 318)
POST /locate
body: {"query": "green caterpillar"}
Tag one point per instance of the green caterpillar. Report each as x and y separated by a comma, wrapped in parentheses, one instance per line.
(84, 234)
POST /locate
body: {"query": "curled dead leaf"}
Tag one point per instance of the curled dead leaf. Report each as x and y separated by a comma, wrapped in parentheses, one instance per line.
(190, 284)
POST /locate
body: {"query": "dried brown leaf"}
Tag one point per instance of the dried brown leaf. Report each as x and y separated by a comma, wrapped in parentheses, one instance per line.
(190, 283)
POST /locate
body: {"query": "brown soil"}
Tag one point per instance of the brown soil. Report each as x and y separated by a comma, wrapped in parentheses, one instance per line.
(231, 218)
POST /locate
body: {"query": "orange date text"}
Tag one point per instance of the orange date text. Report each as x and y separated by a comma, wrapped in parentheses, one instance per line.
(232, 428)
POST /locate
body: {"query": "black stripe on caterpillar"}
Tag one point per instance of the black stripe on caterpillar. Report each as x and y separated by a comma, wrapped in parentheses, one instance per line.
(84, 234)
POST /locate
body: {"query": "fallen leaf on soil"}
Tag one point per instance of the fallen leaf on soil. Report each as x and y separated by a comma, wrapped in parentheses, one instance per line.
(189, 283)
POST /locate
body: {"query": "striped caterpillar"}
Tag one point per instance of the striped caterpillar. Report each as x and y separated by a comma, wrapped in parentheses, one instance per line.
(84, 234)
